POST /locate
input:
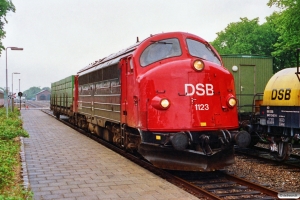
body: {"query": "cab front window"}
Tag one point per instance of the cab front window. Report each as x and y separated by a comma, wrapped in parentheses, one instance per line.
(160, 50)
(203, 51)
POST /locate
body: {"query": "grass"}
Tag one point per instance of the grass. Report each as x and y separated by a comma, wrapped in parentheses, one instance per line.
(11, 129)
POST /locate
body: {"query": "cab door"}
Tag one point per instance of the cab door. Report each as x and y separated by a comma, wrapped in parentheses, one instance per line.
(129, 101)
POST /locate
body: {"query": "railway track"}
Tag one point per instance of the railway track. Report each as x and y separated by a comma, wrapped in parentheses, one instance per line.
(222, 185)
(213, 185)
(261, 153)
(36, 105)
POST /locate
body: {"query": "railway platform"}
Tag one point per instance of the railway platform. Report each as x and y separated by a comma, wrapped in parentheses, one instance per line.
(64, 164)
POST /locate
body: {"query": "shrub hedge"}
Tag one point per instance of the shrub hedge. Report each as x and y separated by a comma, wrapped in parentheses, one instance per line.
(10, 167)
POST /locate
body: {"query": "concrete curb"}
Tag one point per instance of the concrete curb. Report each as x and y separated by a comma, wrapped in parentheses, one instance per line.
(24, 171)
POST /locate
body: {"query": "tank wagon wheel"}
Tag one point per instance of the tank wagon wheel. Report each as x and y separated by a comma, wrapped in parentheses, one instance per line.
(244, 125)
(254, 139)
(283, 152)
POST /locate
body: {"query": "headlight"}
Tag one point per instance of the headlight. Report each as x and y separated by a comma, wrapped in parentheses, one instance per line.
(231, 102)
(165, 103)
(160, 103)
(198, 65)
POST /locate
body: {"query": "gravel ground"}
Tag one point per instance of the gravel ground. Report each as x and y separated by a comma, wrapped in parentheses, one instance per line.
(279, 178)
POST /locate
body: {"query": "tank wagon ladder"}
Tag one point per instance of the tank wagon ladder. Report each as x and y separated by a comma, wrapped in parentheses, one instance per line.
(297, 73)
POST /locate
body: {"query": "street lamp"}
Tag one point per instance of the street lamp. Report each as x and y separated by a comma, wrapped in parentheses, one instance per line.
(20, 96)
(12, 89)
(12, 48)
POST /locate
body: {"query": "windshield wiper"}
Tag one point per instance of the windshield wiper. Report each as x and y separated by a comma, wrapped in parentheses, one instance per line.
(159, 42)
(207, 45)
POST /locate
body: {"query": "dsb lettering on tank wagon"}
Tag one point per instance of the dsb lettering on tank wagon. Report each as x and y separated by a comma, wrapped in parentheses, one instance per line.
(281, 94)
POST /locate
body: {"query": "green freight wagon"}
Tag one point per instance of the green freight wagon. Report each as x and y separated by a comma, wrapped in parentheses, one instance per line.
(251, 74)
(62, 93)
(1, 98)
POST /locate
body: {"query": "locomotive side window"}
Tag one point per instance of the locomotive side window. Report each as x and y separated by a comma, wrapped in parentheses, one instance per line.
(159, 50)
(201, 50)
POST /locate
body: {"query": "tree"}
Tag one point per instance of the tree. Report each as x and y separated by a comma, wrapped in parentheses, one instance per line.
(31, 92)
(46, 88)
(246, 37)
(5, 6)
(288, 26)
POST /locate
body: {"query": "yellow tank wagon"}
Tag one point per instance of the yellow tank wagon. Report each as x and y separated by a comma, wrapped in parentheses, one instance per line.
(278, 120)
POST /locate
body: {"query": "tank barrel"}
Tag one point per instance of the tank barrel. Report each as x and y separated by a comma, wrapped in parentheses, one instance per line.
(297, 73)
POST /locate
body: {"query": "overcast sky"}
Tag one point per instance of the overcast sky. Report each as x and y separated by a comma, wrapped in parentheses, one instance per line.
(60, 37)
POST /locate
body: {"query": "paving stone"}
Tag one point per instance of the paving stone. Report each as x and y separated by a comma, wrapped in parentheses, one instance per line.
(64, 164)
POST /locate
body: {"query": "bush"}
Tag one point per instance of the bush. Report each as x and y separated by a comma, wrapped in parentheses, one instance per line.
(10, 130)
(8, 150)
(11, 127)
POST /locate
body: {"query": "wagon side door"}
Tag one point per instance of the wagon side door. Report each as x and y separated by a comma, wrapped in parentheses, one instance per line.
(247, 88)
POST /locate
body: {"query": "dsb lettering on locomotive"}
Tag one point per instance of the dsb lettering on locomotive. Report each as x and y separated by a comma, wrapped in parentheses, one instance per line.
(200, 89)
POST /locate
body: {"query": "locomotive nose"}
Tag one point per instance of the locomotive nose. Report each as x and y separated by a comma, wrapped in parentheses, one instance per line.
(242, 138)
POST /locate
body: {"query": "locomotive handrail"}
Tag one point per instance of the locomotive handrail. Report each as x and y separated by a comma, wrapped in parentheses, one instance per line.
(103, 95)
(184, 94)
(102, 103)
(116, 111)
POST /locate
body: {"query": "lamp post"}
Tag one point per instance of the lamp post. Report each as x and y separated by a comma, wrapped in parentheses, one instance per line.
(20, 91)
(12, 89)
(12, 48)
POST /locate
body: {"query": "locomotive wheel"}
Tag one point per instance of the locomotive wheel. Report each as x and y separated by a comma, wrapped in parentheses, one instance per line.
(283, 151)
(57, 115)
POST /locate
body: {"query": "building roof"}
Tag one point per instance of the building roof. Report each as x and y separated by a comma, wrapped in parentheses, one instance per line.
(43, 91)
(244, 56)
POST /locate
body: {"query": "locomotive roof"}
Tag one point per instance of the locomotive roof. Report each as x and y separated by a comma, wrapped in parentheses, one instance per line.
(112, 58)
(115, 57)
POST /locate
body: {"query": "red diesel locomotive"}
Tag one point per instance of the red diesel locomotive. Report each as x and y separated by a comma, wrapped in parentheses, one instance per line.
(168, 97)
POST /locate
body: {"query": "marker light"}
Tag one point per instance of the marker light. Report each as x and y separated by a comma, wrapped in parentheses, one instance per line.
(198, 65)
